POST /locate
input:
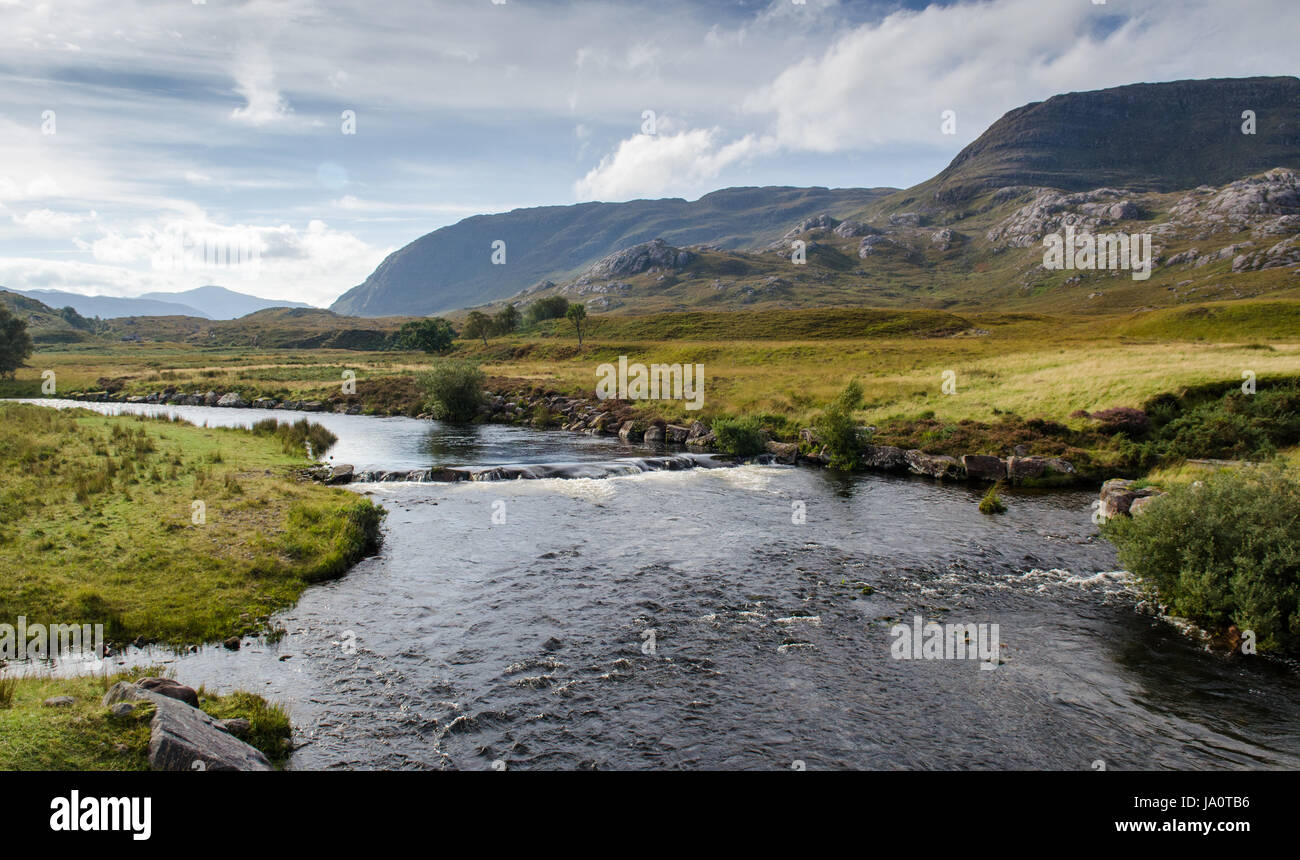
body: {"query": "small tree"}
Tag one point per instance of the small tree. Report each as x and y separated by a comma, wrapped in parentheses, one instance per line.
(15, 342)
(837, 429)
(431, 335)
(454, 389)
(477, 324)
(506, 320)
(577, 313)
(549, 308)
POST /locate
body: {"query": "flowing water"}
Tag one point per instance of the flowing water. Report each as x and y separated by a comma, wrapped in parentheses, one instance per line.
(735, 617)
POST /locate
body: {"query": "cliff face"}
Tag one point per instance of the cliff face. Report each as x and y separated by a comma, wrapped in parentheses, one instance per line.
(1145, 137)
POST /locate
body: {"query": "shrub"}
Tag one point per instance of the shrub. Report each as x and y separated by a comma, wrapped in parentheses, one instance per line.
(454, 390)
(740, 437)
(295, 437)
(839, 432)
(1224, 551)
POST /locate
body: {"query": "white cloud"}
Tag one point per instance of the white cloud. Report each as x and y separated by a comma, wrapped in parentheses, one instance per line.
(653, 165)
(255, 81)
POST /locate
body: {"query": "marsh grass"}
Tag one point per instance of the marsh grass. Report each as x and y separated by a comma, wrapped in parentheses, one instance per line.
(98, 526)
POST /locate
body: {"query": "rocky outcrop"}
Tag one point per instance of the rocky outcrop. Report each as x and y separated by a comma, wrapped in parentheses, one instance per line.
(1118, 497)
(182, 737)
(884, 458)
(784, 452)
(984, 468)
(933, 465)
(655, 254)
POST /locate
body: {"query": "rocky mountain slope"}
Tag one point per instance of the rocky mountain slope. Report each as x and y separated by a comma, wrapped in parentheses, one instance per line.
(1114, 158)
(452, 267)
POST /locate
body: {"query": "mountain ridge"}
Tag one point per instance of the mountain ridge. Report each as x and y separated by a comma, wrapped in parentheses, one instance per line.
(1133, 137)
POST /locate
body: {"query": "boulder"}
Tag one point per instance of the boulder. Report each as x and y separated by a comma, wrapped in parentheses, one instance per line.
(211, 398)
(340, 474)
(677, 434)
(631, 431)
(59, 702)
(1021, 468)
(784, 452)
(171, 689)
(885, 458)
(184, 738)
(708, 440)
(933, 465)
(122, 710)
(984, 468)
(232, 400)
(237, 726)
(654, 435)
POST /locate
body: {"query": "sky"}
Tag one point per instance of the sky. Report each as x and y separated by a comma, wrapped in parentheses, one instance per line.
(132, 128)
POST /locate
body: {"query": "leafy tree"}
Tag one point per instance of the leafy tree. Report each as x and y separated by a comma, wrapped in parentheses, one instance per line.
(838, 431)
(506, 320)
(15, 342)
(454, 389)
(432, 334)
(549, 308)
(577, 313)
(477, 324)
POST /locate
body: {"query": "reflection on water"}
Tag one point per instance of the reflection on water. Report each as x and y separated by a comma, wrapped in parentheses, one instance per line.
(508, 621)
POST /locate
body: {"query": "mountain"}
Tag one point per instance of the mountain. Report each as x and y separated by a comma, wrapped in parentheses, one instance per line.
(1146, 137)
(1139, 139)
(219, 303)
(108, 307)
(452, 267)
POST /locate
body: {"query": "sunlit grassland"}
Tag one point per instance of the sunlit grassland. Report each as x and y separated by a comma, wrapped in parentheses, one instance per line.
(100, 526)
(787, 363)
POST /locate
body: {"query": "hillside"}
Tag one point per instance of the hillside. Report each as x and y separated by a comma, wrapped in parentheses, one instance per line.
(1145, 137)
(1070, 159)
(47, 325)
(452, 267)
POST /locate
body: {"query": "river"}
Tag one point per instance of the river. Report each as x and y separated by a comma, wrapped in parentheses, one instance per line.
(738, 617)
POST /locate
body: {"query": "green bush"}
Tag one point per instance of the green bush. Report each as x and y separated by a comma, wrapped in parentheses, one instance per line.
(454, 390)
(839, 432)
(740, 437)
(1226, 551)
(992, 502)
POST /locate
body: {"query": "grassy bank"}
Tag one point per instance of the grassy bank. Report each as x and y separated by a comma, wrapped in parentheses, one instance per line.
(84, 736)
(161, 529)
(1016, 378)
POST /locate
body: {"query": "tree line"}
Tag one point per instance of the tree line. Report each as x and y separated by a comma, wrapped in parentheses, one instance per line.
(435, 334)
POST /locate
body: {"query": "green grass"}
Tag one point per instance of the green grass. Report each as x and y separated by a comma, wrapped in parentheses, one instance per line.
(100, 525)
(84, 737)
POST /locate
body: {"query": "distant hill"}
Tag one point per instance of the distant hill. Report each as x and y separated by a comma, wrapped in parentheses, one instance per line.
(219, 303)
(209, 302)
(108, 307)
(452, 267)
